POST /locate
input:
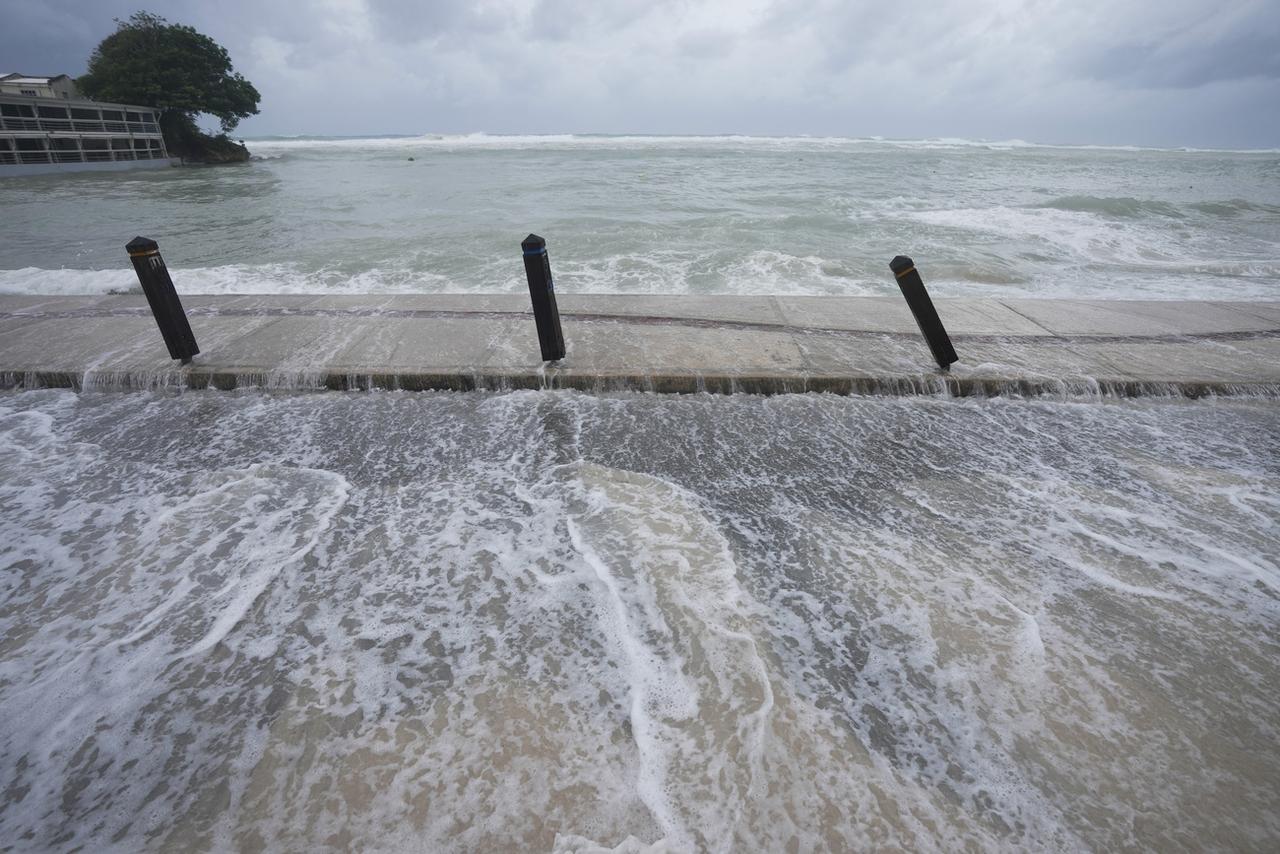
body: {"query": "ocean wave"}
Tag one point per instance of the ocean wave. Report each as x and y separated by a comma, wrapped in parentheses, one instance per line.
(1109, 231)
(263, 146)
(1127, 206)
(1078, 259)
(228, 279)
(1079, 233)
(1124, 206)
(1233, 208)
(760, 271)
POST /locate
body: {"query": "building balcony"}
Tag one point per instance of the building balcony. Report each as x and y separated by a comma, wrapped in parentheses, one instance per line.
(21, 125)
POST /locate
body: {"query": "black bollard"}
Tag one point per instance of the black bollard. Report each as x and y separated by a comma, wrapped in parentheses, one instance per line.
(165, 305)
(537, 266)
(922, 307)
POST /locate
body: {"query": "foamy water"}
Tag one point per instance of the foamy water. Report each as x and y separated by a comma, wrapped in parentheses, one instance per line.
(696, 215)
(538, 621)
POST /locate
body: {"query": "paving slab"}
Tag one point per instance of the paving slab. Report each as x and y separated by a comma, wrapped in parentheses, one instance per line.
(877, 314)
(462, 342)
(650, 348)
(1264, 348)
(1269, 311)
(36, 304)
(1040, 359)
(244, 303)
(1201, 317)
(1135, 317)
(12, 322)
(1207, 361)
(286, 344)
(863, 356)
(77, 343)
(396, 303)
(742, 309)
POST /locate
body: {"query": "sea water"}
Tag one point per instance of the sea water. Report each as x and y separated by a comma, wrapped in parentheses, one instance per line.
(680, 215)
(550, 621)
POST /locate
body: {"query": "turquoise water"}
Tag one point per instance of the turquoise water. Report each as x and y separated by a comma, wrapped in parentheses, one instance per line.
(698, 215)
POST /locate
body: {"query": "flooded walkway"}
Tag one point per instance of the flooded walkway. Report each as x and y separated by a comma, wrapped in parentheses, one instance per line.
(658, 343)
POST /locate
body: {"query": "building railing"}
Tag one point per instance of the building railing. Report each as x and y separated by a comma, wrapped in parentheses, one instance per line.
(77, 126)
(76, 156)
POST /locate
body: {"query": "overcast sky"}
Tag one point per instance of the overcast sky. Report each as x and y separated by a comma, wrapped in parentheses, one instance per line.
(1144, 72)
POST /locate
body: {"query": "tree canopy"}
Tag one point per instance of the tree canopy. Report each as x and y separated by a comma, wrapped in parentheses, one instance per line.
(150, 62)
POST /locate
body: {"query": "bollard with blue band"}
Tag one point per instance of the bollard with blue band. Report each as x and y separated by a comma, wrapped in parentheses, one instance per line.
(537, 266)
(163, 298)
(912, 287)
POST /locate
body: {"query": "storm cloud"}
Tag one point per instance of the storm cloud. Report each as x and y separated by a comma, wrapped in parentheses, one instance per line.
(1175, 73)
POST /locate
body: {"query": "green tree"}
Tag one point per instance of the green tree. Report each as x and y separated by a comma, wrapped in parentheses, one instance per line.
(179, 71)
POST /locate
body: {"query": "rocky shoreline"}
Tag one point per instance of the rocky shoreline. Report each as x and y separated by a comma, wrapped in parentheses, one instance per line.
(211, 150)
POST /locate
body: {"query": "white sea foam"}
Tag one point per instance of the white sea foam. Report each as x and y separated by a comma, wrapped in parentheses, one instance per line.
(227, 279)
(635, 624)
(699, 713)
(1106, 247)
(1085, 235)
(760, 271)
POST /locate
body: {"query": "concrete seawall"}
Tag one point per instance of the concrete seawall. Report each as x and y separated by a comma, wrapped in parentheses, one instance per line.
(753, 344)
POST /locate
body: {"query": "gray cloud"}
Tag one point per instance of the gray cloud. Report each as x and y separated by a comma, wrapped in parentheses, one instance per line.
(407, 21)
(1197, 55)
(1177, 72)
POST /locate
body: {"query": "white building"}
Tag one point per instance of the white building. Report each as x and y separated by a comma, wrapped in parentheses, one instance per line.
(58, 86)
(46, 126)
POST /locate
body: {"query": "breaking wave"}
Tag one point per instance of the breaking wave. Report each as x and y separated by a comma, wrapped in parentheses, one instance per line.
(265, 146)
(1115, 207)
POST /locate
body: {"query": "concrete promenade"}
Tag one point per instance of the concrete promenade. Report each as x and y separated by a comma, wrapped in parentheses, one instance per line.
(660, 343)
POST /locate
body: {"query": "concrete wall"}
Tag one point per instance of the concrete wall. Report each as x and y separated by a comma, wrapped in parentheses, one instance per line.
(11, 170)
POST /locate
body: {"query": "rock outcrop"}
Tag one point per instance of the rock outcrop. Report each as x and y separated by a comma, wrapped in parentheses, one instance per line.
(210, 150)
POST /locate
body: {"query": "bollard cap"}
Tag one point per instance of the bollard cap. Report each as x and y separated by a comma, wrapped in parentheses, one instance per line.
(901, 264)
(534, 242)
(141, 244)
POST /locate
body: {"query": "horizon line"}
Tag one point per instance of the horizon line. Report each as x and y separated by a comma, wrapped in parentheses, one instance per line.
(956, 141)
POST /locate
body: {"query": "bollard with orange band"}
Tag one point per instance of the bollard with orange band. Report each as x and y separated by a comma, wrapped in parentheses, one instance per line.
(163, 298)
(912, 286)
